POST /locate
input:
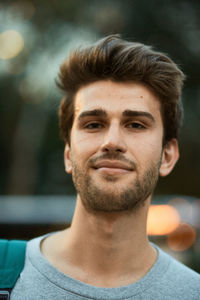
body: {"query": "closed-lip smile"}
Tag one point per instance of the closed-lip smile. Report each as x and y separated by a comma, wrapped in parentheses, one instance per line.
(108, 164)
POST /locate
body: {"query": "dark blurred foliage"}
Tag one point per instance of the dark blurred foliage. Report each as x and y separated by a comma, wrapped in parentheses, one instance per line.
(30, 149)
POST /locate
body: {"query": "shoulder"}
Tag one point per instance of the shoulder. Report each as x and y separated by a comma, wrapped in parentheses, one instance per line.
(177, 266)
(181, 270)
(180, 278)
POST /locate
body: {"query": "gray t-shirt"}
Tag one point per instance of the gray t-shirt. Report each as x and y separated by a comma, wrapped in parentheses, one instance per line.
(167, 280)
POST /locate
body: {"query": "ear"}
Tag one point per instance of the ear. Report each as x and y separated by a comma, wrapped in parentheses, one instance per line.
(67, 159)
(170, 156)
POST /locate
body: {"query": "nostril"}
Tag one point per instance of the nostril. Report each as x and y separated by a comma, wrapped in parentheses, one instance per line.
(110, 146)
(112, 149)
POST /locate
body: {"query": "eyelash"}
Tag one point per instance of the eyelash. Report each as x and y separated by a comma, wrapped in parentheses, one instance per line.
(137, 124)
(88, 126)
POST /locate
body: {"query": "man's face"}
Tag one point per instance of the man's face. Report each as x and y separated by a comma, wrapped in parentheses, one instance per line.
(116, 154)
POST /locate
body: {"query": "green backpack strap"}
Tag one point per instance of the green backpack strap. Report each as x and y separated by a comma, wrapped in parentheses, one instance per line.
(12, 258)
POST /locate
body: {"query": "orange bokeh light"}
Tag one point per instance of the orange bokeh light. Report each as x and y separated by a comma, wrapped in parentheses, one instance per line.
(162, 220)
(182, 238)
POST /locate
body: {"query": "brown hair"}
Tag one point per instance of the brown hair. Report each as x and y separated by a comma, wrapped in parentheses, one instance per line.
(122, 61)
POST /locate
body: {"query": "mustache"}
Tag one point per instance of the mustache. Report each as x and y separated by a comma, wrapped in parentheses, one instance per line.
(112, 156)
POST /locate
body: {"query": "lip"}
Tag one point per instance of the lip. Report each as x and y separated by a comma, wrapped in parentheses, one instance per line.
(114, 166)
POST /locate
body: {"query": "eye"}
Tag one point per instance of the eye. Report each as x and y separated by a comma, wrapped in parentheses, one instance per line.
(135, 125)
(93, 125)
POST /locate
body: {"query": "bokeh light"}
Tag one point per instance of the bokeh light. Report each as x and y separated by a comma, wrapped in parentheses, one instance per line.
(162, 220)
(183, 206)
(195, 215)
(11, 44)
(182, 238)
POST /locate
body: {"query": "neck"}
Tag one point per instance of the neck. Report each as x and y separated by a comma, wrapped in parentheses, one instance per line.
(115, 228)
(112, 245)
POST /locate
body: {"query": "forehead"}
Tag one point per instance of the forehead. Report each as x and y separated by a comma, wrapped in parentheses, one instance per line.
(116, 97)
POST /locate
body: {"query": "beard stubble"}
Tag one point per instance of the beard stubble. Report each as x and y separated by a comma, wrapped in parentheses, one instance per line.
(99, 199)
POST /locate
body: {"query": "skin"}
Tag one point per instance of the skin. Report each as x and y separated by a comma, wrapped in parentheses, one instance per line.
(110, 248)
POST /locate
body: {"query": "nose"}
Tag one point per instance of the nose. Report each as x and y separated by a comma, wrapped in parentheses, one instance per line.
(114, 140)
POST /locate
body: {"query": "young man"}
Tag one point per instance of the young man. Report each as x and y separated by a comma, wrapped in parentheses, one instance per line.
(120, 119)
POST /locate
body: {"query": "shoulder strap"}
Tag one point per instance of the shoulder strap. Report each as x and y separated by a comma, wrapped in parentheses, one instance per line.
(12, 257)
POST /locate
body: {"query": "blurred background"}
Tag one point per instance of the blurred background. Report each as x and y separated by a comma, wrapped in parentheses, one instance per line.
(36, 196)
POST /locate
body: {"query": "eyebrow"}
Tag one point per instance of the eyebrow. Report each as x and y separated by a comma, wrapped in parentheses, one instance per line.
(91, 113)
(127, 113)
(136, 113)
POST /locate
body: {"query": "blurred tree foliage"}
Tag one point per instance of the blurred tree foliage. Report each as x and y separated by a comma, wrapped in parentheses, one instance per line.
(31, 152)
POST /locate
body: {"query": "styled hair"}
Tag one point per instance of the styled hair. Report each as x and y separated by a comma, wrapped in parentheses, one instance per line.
(118, 60)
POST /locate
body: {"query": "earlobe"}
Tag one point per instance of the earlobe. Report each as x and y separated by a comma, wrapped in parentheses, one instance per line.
(67, 159)
(170, 157)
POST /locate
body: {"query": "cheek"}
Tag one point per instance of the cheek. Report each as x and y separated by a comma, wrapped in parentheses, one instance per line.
(147, 151)
(84, 146)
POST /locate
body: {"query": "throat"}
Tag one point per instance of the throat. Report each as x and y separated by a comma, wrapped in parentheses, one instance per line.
(97, 264)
